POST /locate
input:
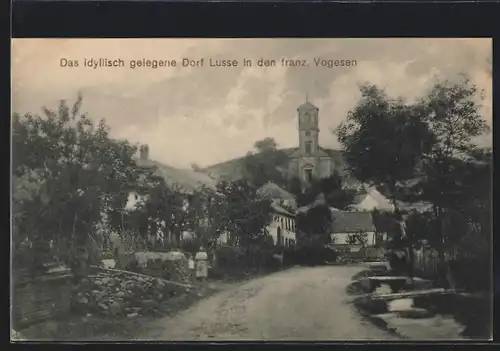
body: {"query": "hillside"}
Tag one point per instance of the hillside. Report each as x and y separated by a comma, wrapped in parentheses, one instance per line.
(233, 169)
(229, 170)
(187, 179)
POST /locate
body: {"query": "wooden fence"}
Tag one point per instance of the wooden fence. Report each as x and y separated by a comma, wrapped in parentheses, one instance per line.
(426, 260)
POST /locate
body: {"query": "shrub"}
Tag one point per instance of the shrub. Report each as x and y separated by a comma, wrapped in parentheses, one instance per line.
(107, 255)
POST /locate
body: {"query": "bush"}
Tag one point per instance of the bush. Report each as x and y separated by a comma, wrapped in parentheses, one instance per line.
(472, 274)
(309, 255)
(107, 255)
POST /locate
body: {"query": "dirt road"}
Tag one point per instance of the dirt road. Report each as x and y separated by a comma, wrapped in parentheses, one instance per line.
(302, 303)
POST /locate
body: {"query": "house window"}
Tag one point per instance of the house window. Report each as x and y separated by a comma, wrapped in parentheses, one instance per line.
(308, 174)
(308, 133)
(308, 147)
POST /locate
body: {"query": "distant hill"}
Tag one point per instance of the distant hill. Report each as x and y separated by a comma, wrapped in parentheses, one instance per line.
(230, 170)
(186, 178)
(234, 169)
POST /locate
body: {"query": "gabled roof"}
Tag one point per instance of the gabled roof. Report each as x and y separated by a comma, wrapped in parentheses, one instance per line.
(272, 191)
(280, 210)
(352, 222)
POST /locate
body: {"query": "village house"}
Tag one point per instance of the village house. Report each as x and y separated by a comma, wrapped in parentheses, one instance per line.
(348, 224)
(282, 228)
(371, 199)
(277, 195)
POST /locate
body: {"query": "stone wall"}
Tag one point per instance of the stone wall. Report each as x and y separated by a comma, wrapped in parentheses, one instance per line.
(121, 293)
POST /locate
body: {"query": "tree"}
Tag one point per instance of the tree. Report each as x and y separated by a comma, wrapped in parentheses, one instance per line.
(383, 139)
(245, 214)
(264, 165)
(265, 145)
(331, 187)
(295, 186)
(358, 239)
(205, 215)
(79, 172)
(195, 167)
(314, 226)
(450, 164)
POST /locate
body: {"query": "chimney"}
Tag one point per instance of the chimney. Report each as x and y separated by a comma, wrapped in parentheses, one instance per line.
(144, 152)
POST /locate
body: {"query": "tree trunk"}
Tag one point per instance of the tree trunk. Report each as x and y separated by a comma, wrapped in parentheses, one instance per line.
(441, 250)
(79, 252)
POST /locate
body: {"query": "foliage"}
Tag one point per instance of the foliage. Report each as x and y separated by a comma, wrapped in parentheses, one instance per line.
(357, 239)
(383, 139)
(244, 214)
(74, 171)
(295, 186)
(264, 165)
(453, 164)
(195, 167)
(331, 187)
(453, 159)
(425, 150)
(205, 216)
(314, 226)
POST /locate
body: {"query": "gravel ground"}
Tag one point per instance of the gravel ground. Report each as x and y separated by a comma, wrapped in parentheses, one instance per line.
(297, 304)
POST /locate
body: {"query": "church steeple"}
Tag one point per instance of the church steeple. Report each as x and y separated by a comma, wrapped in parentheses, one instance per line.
(308, 127)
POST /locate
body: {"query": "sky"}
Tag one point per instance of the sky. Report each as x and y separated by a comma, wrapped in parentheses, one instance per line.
(206, 115)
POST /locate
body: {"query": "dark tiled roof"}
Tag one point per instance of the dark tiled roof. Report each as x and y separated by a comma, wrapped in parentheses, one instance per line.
(352, 222)
(307, 105)
(274, 192)
(280, 210)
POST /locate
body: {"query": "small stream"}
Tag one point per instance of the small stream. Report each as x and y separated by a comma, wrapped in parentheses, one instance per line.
(428, 317)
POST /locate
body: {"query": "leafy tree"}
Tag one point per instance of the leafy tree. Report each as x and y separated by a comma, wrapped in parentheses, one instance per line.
(314, 226)
(195, 167)
(245, 214)
(358, 239)
(266, 144)
(78, 170)
(264, 165)
(383, 139)
(295, 186)
(206, 215)
(331, 187)
(388, 223)
(450, 163)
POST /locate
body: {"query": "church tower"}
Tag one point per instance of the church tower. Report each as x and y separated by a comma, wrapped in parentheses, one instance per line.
(308, 128)
(309, 161)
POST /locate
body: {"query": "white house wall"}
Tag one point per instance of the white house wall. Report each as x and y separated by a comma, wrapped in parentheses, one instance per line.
(287, 232)
(342, 238)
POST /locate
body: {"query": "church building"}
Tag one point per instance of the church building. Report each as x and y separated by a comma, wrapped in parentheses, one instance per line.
(309, 161)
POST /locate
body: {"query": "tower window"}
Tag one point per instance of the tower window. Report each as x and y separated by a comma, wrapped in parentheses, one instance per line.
(308, 133)
(308, 147)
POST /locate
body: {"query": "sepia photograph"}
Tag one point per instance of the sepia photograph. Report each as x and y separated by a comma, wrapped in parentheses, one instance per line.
(251, 189)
